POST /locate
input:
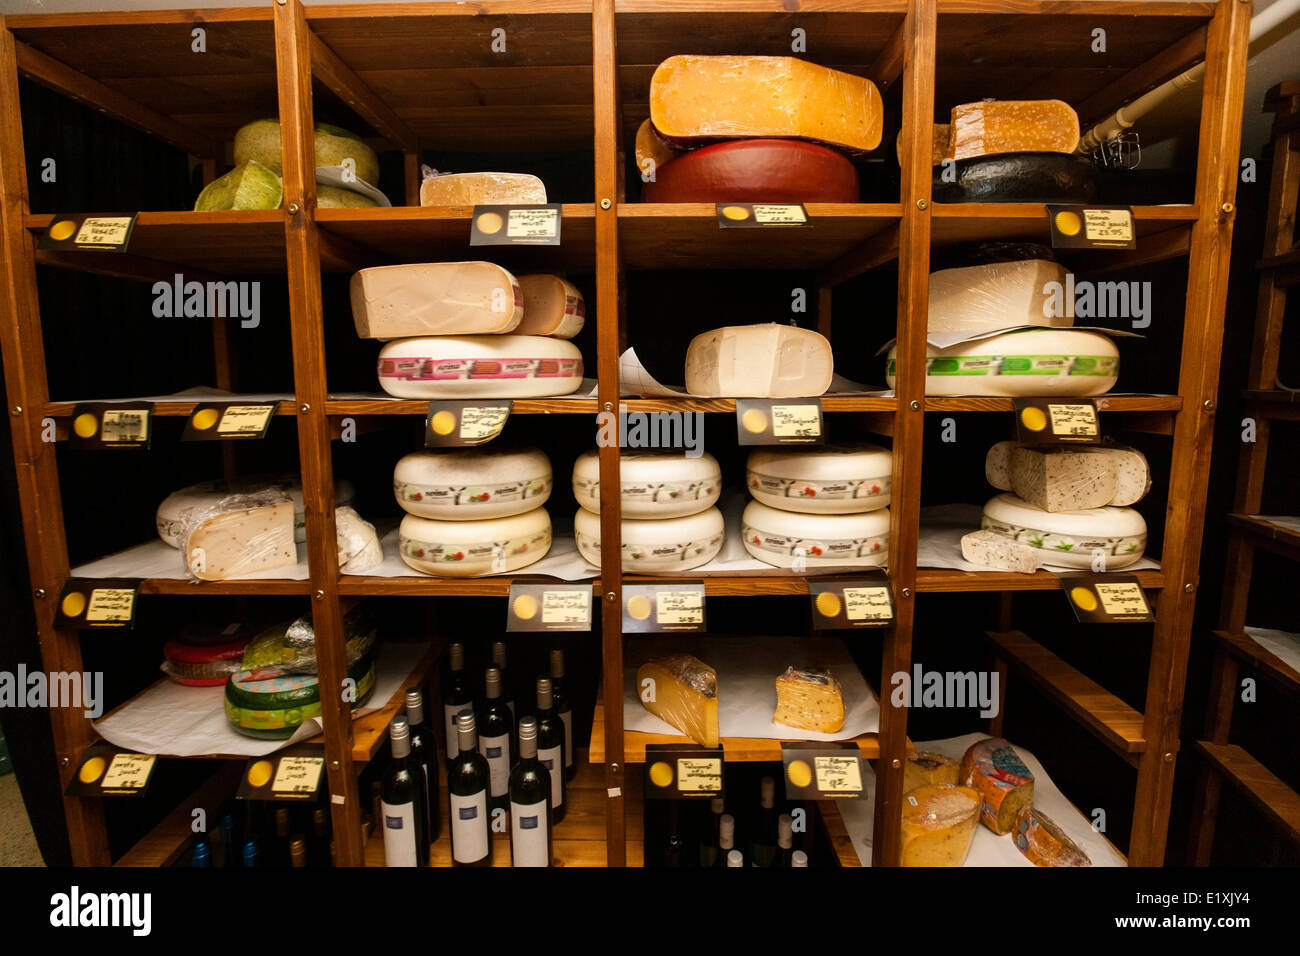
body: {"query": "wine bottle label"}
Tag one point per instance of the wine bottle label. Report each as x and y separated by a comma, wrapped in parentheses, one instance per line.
(528, 836)
(567, 717)
(453, 736)
(399, 834)
(552, 758)
(469, 827)
(497, 752)
(430, 796)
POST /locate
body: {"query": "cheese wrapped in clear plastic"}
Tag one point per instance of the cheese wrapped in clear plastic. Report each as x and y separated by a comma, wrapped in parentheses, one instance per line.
(359, 547)
(1044, 843)
(682, 690)
(1013, 126)
(809, 698)
(291, 648)
(938, 825)
(239, 535)
(176, 507)
(999, 295)
(480, 189)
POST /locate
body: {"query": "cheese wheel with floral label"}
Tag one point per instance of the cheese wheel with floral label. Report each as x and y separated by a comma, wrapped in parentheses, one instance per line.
(786, 539)
(460, 549)
(472, 484)
(655, 546)
(1110, 537)
(833, 479)
(652, 485)
(480, 366)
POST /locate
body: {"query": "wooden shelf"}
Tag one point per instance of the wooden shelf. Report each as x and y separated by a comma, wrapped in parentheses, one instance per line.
(1116, 723)
(396, 406)
(948, 579)
(260, 586)
(1244, 648)
(362, 585)
(164, 844)
(1277, 801)
(1105, 403)
(171, 409)
(1271, 537)
(967, 222)
(1273, 403)
(830, 403)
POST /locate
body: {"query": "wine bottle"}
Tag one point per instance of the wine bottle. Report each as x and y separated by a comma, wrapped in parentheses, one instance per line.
(298, 851)
(251, 854)
(727, 841)
(455, 695)
(318, 851)
(424, 750)
(401, 805)
(530, 803)
(709, 854)
(799, 858)
(784, 840)
(507, 679)
(201, 855)
(279, 855)
(550, 747)
(560, 701)
(494, 740)
(762, 848)
(467, 782)
(735, 858)
(228, 854)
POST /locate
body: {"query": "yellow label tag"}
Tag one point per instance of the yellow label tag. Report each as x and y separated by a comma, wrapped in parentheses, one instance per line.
(699, 775)
(1073, 419)
(297, 774)
(104, 231)
(566, 607)
(482, 423)
(779, 214)
(533, 223)
(1122, 599)
(1113, 225)
(245, 419)
(796, 420)
(679, 607)
(128, 772)
(838, 774)
(110, 604)
(131, 425)
(867, 604)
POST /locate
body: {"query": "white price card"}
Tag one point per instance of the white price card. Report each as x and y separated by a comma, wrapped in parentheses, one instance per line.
(128, 772)
(298, 775)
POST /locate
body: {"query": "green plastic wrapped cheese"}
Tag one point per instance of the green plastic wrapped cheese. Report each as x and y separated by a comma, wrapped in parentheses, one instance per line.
(250, 185)
(274, 707)
(336, 197)
(260, 140)
(291, 648)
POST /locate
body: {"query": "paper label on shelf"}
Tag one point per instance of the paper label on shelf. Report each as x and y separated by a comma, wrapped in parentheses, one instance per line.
(1123, 600)
(1050, 421)
(864, 600)
(110, 605)
(699, 775)
(744, 215)
(781, 421)
(680, 607)
(128, 772)
(796, 421)
(506, 225)
(536, 606)
(80, 231)
(465, 424)
(110, 425)
(867, 604)
(298, 775)
(649, 608)
(222, 421)
(566, 607)
(1106, 598)
(822, 771)
(838, 774)
(1091, 227)
(682, 772)
(127, 426)
(92, 603)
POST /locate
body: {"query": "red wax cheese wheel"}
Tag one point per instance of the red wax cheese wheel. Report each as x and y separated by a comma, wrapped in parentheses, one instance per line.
(756, 170)
(202, 666)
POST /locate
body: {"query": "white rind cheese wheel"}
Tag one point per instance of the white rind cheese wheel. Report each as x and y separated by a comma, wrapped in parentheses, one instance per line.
(170, 518)
(1061, 362)
(1070, 539)
(652, 485)
(472, 484)
(552, 306)
(654, 546)
(835, 479)
(435, 298)
(480, 366)
(461, 549)
(854, 540)
(759, 361)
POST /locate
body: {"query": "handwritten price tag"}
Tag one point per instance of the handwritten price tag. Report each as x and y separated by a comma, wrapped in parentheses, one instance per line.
(1073, 420)
(298, 775)
(699, 775)
(128, 772)
(110, 604)
(838, 774)
(867, 604)
(802, 421)
(566, 607)
(680, 607)
(1122, 599)
(498, 225)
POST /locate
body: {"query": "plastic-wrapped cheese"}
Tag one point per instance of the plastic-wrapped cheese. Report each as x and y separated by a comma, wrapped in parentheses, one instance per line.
(832, 479)
(938, 825)
(652, 485)
(993, 550)
(460, 549)
(435, 298)
(1044, 843)
(655, 546)
(552, 306)
(997, 295)
(1064, 362)
(993, 769)
(358, 543)
(809, 698)
(274, 708)
(1013, 126)
(174, 509)
(472, 484)
(240, 535)
(1070, 539)
(926, 769)
(682, 690)
(481, 189)
(480, 366)
(759, 361)
(789, 540)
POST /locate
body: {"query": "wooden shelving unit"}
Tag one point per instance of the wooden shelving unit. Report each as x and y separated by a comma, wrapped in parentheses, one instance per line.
(422, 76)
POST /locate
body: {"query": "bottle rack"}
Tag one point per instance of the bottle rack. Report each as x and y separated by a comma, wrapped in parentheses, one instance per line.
(585, 65)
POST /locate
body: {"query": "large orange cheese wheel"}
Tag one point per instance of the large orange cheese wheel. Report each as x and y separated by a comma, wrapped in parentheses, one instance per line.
(756, 170)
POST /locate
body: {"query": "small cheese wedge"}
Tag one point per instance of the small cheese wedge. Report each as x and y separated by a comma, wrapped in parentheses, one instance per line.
(809, 698)
(759, 361)
(242, 537)
(652, 153)
(1044, 843)
(993, 550)
(924, 769)
(481, 189)
(359, 548)
(938, 825)
(1062, 479)
(993, 768)
(682, 691)
(1013, 126)
(435, 298)
(552, 306)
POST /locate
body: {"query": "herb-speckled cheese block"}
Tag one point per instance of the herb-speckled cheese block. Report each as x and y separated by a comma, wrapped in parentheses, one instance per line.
(832, 479)
(655, 545)
(785, 539)
(1129, 466)
(993, 550)
(472, 484)
(177, 506)
(926, 769)
(435, 298)
(1113, 536)
(683, 692)
(459, 549)
(1044, 843)
(241, 541)
(938, 825)
(997, 465)
(480, 366)
(552, 306)
(1062, 479)
(994, 770)
(809, 698)
(759, 361)
(652, 485)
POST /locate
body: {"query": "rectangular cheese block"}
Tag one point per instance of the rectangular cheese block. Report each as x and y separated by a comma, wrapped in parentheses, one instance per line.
(1062, 479)
(759, 361)
(481, 189)
(435, 298)
(938, 825)
(552, 306)
(923, 769)
(993, 550)
(809, 699)
(992, 768)
(695, 100)
(682, 690)
(1013, 126)
(999, 295)
(241, 538)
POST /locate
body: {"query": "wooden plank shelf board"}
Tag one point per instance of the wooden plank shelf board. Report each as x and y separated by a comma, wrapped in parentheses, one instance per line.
(966, 222)
(1251, 652)
(830, 403)
(395, 406)
(1261, 787)
(497, 585)
(1273, 403)
(1116, 723)
(164, 844)
(1105, 403)
(170, 409)
(949, 579)
(1266, 534)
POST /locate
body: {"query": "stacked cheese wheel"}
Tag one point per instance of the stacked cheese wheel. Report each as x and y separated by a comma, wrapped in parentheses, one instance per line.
(476, 511)
(1068, 508)
(819, 508)
(669, 523)
(470, 330)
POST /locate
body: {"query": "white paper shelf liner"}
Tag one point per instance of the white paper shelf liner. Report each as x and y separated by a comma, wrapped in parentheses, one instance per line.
(747, 671)
(989, 849)
(157, 560)
(1290, 522)
(1282, 644)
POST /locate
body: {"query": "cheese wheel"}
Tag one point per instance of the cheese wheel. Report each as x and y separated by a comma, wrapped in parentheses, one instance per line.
(652, 153)
(652, 485)
(552, 306)
(997, 465)
(938, 825)
(759, 361)
(170, 518)
(472, 484)
(655, 546)
(809, 698)
(275, 707)
(833, 479)
(926, 769)
(1017, 177)
(461, 549)
(986, 298)
(682, 691)
(993, 769)
(1013, 126)
(480, 366)
(756, 171)
(695, 100)
(1070, 539)
(1056, 362)
(207, 665)
(822, 541)
(482, 189)
(1044, 843)
(435, 298)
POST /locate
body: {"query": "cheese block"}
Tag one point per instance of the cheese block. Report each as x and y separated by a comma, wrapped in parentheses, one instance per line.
(756, 171)
(792, 541)
(482, 189)
(473, 483)
(938, 825)
(926, 769)
(1017, 177)
(993, 550)
(993, 769)
(654, 546)
(1112, 538)
(480, 366)
(758, 361)
(809, 698)
(1062, 479)
(250, 185)
(260, 141)
(695, 100)
(461, 549)
(1050, 362)
(831, 479)
(652, 485)
(1044, 843)
(336, 197)
(997, 465)
(206, 665)
(938, 144)
(239, 536)
(358, 544)
(1129, 466)
(552, 306)
(176, 507)
(1013, 126)
(652, 153)
(274, 708)
(999, 295)
(682, 691)
(435, 298)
